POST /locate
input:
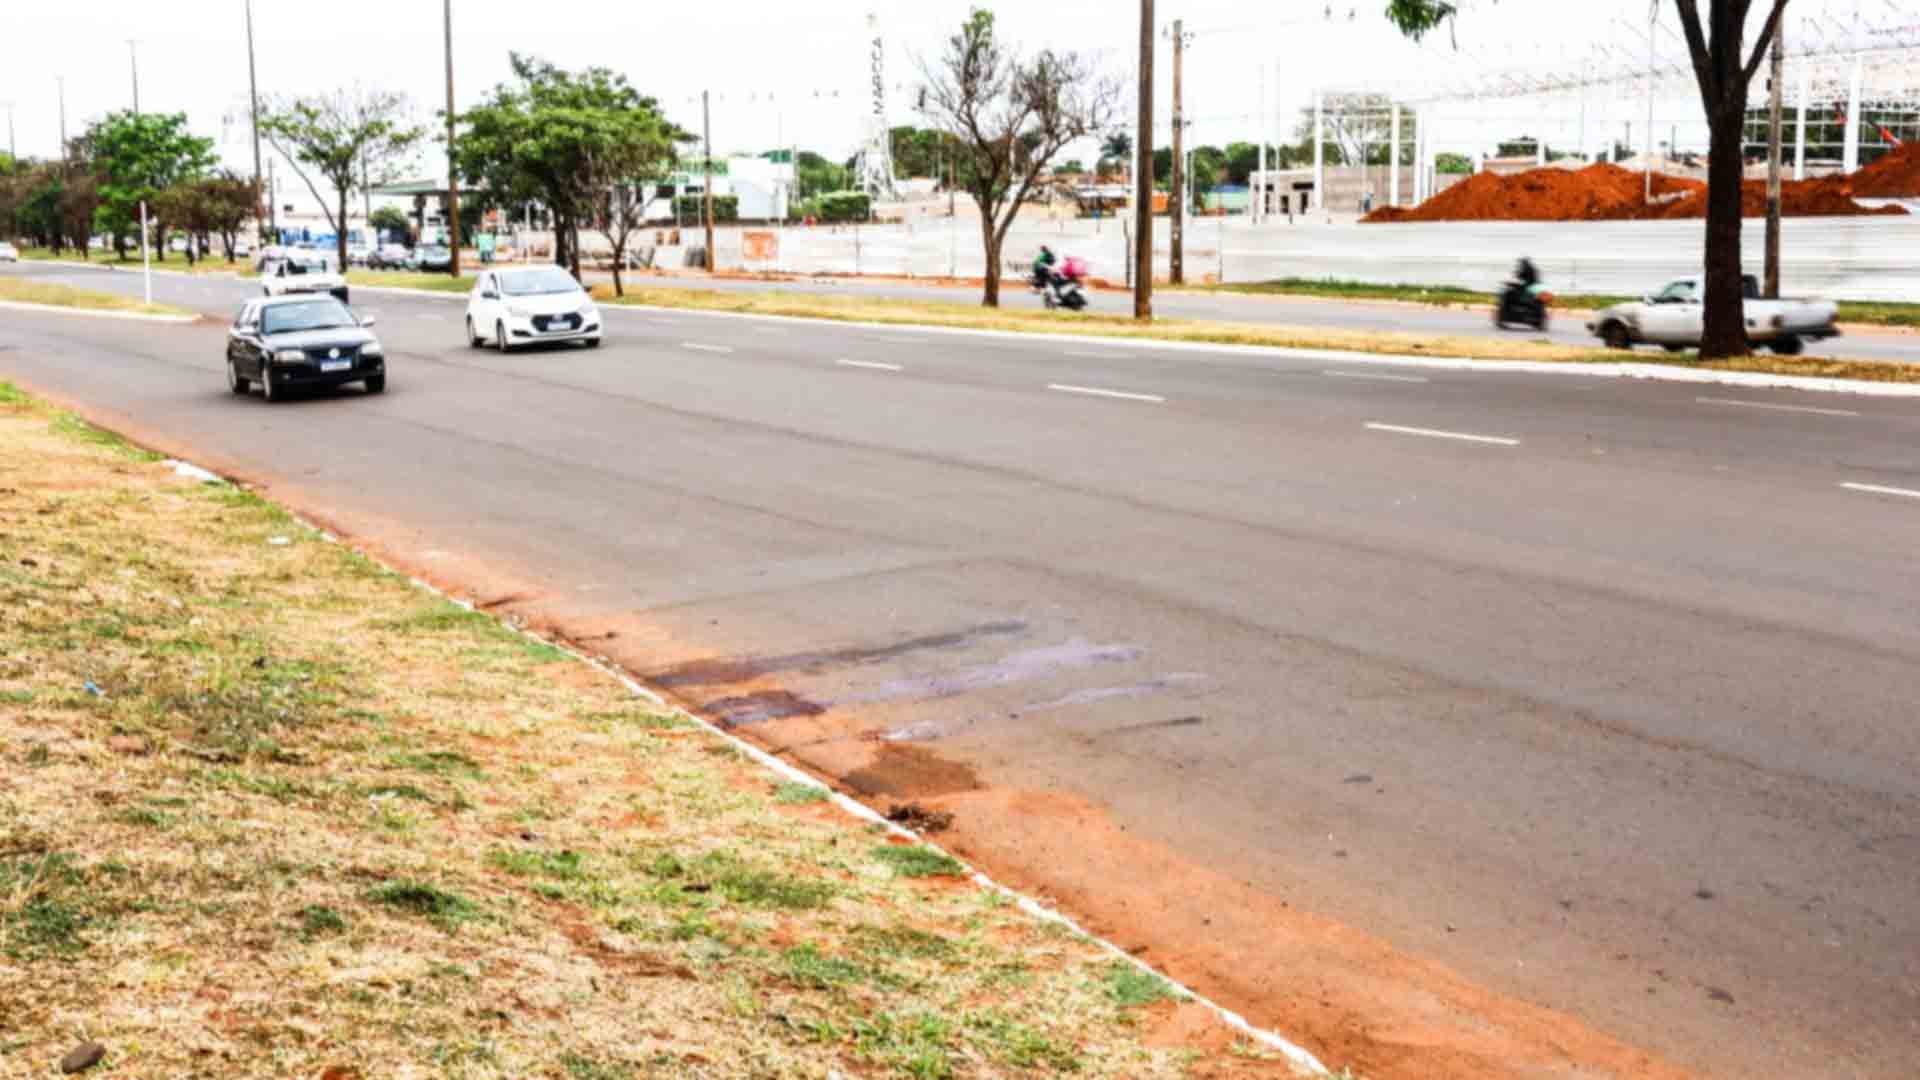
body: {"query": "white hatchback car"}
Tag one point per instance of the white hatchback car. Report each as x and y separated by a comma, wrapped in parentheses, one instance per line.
(8, 253)
(528, 306)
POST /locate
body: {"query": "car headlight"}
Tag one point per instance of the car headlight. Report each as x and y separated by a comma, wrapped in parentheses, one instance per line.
(588, 311)
(372, 348)
(518, 312)
(289, 356)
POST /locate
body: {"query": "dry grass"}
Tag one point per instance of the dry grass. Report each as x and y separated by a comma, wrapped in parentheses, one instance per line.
(267, 809)
(175, 261)
(406, 279)
(918, 313)
(28, 291)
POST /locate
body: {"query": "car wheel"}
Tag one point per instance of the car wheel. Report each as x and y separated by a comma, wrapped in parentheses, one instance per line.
(1786, 345)
(376, 384)
(500, 337)
(1674, 348)
(234, 382)
(1616, 336)
(474, 340)
(270, 387)
(593, 343)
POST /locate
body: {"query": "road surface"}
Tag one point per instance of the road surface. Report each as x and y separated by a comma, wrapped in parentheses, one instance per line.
(1598, 692)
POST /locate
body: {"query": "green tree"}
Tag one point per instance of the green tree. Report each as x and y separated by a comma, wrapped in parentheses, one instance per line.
(1070, 167)
(352, 137)
(1116, 153)
(392, 219)
(79, 201)
(1452, 164)
(817, 176)
(136, 156)
(566, 139)
(1011, 115)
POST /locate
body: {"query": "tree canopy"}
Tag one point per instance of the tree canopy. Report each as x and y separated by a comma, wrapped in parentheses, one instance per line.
(136, 155)
(566, 139)
(352, 137)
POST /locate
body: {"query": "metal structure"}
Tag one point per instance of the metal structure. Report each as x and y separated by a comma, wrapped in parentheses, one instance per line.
(873, 169)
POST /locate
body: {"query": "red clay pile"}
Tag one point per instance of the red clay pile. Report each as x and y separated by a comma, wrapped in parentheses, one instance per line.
(1607, 192)
(1896, 175)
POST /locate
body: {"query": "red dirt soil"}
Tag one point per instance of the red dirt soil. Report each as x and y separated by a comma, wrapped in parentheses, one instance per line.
(1607, 192)
(1896, 175)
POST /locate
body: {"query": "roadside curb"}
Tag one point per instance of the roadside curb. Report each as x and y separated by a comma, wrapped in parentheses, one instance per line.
(138, 316)
(1302, 1060)
(1602, 369)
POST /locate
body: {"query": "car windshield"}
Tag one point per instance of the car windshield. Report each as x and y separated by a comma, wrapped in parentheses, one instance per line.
(306, 266)
(433, 252)
(308, 315)
(543, 282)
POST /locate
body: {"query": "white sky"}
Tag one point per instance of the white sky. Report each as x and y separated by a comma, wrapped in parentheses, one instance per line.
(774, 67)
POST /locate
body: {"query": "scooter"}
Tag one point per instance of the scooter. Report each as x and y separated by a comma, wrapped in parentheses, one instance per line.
(1523, 305)
(1066, 288)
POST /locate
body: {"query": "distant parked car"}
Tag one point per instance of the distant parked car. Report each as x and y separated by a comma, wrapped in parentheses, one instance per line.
(358, 254)
(431, 257)
(297, 342)
(388, 257)
(9, 253)
(529, 306)
(300, 272)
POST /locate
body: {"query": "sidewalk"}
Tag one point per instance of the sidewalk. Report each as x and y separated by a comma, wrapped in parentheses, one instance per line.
(268, 808)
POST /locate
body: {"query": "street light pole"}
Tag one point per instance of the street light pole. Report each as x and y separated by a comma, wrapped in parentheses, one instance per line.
(1776, 76)
(706, 135)
(133, 57)
(61, 81)
(453, 179)
(1143, 175)
(1176, 190)
(253, 91)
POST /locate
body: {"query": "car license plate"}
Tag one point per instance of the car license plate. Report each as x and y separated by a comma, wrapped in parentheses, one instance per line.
(560, 324)
(329, 366)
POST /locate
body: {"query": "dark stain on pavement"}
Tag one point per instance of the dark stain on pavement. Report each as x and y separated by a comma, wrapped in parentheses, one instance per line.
(755, 708)
(725, 671)
(911, 772)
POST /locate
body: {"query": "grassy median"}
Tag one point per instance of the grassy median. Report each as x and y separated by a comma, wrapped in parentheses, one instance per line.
(1036, 321)
(407, 279)
(28, 291)
(266, 807)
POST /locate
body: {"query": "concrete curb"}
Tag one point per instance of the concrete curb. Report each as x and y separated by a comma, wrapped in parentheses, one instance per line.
(1302, 1060)
(1604, 370)
(138, 316)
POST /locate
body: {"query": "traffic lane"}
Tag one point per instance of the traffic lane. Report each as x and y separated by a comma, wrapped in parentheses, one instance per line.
(1542, 507)
(1567, 327)
(807, 565)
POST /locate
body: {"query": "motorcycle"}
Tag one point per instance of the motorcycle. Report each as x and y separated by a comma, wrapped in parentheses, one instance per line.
(1066, 287)
(1523, 305)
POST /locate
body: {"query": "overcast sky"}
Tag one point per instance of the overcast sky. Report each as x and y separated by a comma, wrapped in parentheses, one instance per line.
(797, 71)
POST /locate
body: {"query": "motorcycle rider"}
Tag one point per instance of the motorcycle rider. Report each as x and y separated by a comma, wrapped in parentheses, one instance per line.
(1043, 268)
(1518, 302)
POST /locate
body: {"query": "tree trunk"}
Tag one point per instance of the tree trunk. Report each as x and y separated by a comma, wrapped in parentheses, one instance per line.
(159, 241)
(573, 248)
(991, 296)
(340, 234)
(619, 256)
(1725, 332)
(120, 245)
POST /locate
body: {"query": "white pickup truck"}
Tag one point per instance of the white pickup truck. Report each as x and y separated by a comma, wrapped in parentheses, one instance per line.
(1672, 318)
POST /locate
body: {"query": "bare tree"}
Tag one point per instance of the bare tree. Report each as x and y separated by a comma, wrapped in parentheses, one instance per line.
(619, 217)
(352, 137)
(1010, 116)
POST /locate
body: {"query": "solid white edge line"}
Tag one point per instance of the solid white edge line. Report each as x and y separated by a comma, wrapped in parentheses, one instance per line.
(1876, 489)
(1299, 1056)
(705, 348)
(1606, 370)
(874, 364)
(1774, 407)
(1433, 433)
(94, 313)
(1375, 375)
(1095, 391)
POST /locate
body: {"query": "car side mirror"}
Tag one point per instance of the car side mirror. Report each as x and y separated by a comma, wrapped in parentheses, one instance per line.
(489, 296)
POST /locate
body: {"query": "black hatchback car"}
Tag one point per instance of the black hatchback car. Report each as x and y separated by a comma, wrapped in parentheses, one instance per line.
(288, 343)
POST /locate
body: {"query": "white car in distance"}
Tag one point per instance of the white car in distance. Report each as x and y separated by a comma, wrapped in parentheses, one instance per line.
(301, 272)
(529, 306)
(9, 253)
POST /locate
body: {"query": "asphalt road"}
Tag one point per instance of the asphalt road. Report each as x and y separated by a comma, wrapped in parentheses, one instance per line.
(1568, 328)
(1628, 667)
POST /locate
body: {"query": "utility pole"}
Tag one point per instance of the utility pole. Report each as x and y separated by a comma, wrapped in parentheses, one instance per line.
(61, 81)
(1259, 127)
(1143, 175)
(1653, 12)
(253, 90)
(133, 55)
(13, 152)
(1775, 78)
(706, 136)
(453, 178)
(1176, 189)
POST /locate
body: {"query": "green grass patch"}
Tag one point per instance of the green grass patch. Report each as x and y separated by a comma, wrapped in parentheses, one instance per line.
(28, 291)
(402, 279)
(1127, 986)
(13, 395)
(450, 618)
(44, 905)
(918, 1045)
(436, 762)
(808, 966)
(582, 1067)
(917, 860)
(444, 909)
(75, 428)
(318, 920)
(563, 865)
(798, 794)
(722, 873)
